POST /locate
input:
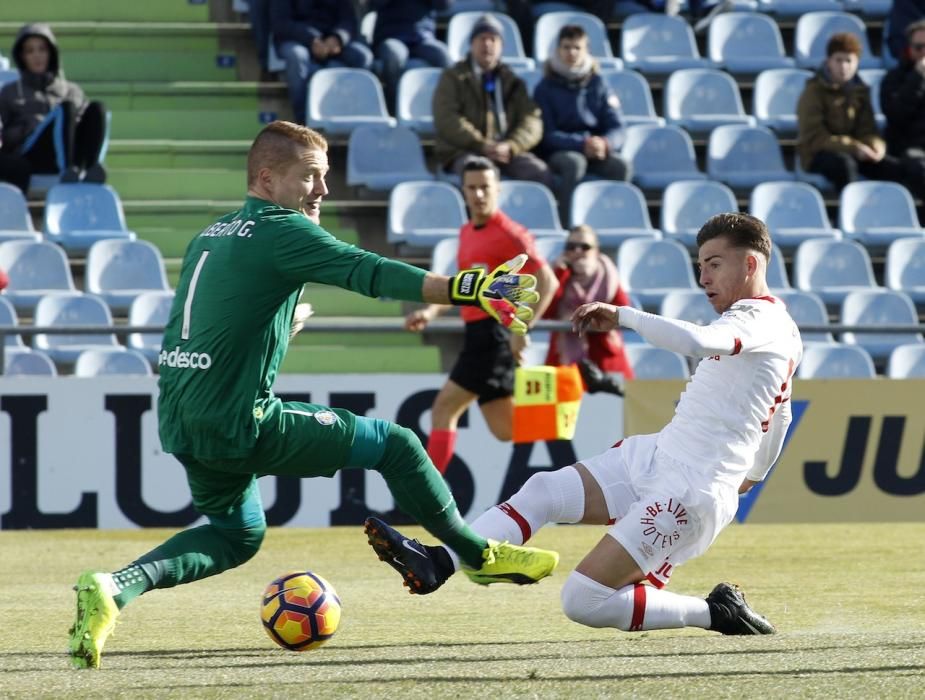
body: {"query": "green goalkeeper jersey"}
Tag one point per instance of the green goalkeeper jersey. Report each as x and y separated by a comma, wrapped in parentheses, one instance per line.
(229, 325)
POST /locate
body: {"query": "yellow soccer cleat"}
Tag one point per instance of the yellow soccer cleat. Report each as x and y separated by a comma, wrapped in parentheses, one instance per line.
(508, 563)
(96, 618)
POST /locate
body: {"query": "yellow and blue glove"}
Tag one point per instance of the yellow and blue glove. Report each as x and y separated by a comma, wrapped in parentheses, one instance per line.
(503, 294)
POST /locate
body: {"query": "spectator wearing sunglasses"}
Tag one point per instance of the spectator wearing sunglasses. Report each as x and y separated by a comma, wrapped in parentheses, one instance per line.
(902, 95)
(585, 275)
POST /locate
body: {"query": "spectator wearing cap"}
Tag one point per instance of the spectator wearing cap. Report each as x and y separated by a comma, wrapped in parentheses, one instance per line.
(582, 128)
(902, 96)
(837, 134)
(482, 108)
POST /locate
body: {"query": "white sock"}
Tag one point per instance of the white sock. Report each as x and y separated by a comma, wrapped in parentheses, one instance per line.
(546, 497)
(631, 608)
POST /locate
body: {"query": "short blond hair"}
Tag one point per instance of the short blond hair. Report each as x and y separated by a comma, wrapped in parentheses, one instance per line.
(276, 147)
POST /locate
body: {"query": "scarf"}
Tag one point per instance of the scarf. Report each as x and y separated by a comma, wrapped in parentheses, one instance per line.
(579, 73)
(600, 285)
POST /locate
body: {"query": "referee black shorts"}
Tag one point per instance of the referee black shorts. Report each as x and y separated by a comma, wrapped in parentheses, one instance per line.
(486, 364)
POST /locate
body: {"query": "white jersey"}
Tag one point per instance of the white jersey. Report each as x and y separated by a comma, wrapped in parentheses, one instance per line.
(733, 415)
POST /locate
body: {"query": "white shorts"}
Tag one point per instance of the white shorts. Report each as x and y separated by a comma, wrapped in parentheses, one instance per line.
(664, 512)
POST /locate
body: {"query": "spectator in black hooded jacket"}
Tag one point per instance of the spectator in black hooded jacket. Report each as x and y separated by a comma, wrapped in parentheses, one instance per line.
(902, 96)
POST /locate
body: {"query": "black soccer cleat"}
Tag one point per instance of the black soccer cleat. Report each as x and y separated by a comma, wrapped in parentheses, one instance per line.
(416, 563)
(730, 614)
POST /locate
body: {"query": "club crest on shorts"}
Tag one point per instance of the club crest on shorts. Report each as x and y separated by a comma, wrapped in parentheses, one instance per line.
(326, 417)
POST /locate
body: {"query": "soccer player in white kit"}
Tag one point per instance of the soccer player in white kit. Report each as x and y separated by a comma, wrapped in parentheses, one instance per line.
(667, 495)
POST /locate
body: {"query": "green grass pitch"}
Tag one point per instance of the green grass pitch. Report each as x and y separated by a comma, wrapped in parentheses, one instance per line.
(849, 601)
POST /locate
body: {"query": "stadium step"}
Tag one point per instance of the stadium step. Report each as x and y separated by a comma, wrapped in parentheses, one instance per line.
(89, 65)
(186, 124)
(179, 183)
(178, 95)
(167, 153)
(127, 35)
(66, 10)
(362, 359)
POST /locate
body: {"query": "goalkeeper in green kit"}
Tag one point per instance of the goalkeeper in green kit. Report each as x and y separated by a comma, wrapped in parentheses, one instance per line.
(229, 329)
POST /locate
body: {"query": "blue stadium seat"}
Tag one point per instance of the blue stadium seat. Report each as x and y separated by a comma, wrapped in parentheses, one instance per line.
(659, 44)
(777, 278)
(660, 155)
(905, 268)
(341, 99)
(793, 211)
(546, 37)
(746, 43)
(775, 97)
(877, 213)
(820, 182)
(869, 8)
(745, 156)
(8, 319)
(15, 221)
(649, 362)
(423, 213)
(531, 77)
(873, 77)
(701, 99)
(813, 31)
(907, 362)
(635, 96)
(23, 362)
(687, 204)
(617, 211)
(443, 257)
(651, 269)
(149, 309)
(689, 305)
(832, 269)
(551, 248)
(807, 309)
(415, 99)
(380, 157)
(118, 271)
(78, 215)
(794, 8)
(836, 362)
(111, 361)
(34, 269)
(532, 205)
(460, 27)
(879, 307)
(71, 309)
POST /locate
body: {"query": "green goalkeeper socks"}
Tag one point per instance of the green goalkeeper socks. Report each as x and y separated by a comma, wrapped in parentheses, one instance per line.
(131, 581)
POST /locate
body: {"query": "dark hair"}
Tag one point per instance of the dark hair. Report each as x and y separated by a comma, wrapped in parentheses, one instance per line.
(571, 31)
(475, 163)
(741, 230)
(844, 42)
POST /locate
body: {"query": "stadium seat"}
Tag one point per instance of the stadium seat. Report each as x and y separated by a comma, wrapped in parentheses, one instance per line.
(794, 8)
(687, 204)
(512, 51)
(106, 361)
(149, 309)
(443, 257)
(905, 268)
(632, 89)
(832, 269)
(423, 213)
(793, 211)
(907, 362)
(23, 362)
(650, 269)
(813, 31)
(659, 44)
(531, 77)
(777, 278)
(746, 43)
(775, 97)
(34, 269)
(617, 211)
(546, 37)
(71, 309)
(807, 309)
(660, 155)
(701, 99)
(873, 77)
(118, 271)
(415, 97)
(820, 182)
(15, 221)
(869, 8)
(551, 248)
(77, 215)
(836, 362)
(690, 305)
(341, 99)
(8, 319)
(877, 213)
(532, 205)
(380, 157)
(649, 362)
(745, 156)
(879, 307)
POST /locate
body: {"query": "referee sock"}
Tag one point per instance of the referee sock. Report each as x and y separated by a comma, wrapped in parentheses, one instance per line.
(440, 446)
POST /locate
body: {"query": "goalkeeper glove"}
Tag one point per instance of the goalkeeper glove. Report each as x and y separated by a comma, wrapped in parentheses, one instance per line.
(503, 294)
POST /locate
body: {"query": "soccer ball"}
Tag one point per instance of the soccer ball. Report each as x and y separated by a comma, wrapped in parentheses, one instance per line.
(300, 611)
